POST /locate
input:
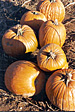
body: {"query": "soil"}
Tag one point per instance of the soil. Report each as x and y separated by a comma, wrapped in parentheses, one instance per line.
(10, 15)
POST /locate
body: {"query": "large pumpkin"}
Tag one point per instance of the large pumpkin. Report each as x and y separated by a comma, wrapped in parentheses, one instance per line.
(24, 78)
(51, 57)
(18, 40)
(52, 9)
(33, 18)
(60, 89)
(52, 32)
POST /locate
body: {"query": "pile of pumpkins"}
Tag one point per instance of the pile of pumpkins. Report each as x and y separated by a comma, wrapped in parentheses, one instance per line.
(27, 78)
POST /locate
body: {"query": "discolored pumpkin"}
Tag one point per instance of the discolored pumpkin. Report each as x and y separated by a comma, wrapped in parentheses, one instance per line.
(51, 57)
(52, 9)
(19, 40)
(34, 19)
(60, 89)
(24, 78)
(52, 32)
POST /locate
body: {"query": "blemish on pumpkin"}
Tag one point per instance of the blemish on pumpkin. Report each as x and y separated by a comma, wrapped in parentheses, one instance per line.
(8, 44)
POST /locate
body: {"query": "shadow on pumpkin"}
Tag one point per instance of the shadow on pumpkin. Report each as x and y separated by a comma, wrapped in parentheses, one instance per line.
(14, 47)
(36, 26)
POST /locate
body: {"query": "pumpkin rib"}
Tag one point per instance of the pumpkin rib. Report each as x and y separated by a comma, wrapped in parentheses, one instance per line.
(47, 8)
(48, 13)
(54, 30)
(58, 63)
(44, 8)
(56, 92)
(46, 34)
(53, 88)
(50, 86)
(60, 94)
(41, 7)
(58, 34)
(63, 95)
(12, 33)
(72, 99)
(60, 85)
(63, 98)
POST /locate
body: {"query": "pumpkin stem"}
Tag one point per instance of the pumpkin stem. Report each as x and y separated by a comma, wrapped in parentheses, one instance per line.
(19, 30)
(52, 0)
(56, 22)
(67, 78)
(35, 13)
(51, 55)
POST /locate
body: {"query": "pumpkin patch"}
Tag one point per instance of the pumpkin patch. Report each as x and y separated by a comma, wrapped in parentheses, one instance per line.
(37, 71)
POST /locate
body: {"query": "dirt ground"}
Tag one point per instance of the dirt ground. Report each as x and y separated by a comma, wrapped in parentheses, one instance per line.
(10, 14)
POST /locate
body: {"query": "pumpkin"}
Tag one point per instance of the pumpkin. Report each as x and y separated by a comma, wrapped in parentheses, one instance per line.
(52, 32)
(34, 19)
(24, 78)
(60, 89)
(52, 9)
(51, 57)
(18, 40)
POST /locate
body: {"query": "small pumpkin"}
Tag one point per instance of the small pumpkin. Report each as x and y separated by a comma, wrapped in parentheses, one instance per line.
(34, 19)
(24, 78)
(52, 9)
(51, 57)
(52, 32)
(19, 40)
(60, 89)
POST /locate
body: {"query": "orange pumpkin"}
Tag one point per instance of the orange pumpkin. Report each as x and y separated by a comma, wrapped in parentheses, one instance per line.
(34, 19)
(52, 9)
(18, 40)
(52, 32)
(51, 57)
(60, 89)
(24, 78)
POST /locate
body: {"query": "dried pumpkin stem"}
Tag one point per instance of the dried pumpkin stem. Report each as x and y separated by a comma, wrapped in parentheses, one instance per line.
(52, 0)
(19, 30)
(68, 78)
(56, 22)
(35, 13)
(51, 55)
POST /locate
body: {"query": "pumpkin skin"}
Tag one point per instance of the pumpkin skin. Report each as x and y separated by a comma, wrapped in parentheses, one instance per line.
(34, 19)
(51, 57)
(52, 9)
(60, 89)
(52, 32)
(24, 78)
(19, 40)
